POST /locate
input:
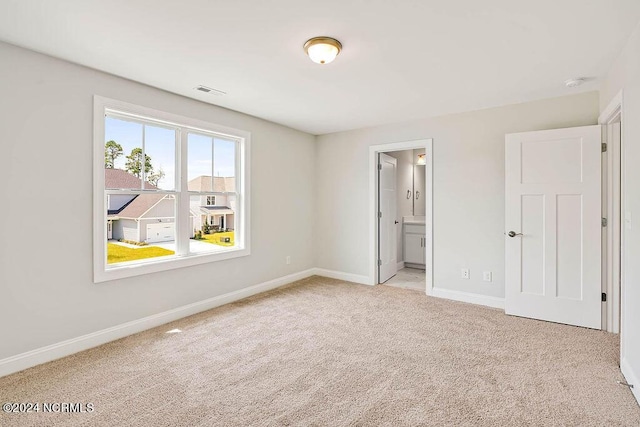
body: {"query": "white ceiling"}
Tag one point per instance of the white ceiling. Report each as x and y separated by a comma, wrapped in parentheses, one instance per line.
(402, 59)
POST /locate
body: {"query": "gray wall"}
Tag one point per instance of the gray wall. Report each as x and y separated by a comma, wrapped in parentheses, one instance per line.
(468, 155)
(46, 131)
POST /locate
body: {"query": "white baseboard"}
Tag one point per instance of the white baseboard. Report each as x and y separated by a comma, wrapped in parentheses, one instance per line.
(488, 301)
(400, 265)
(631, 378)
(65, 348)
(356, 278)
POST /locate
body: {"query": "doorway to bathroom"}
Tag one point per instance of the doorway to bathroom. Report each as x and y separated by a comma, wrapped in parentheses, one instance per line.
(401, 202)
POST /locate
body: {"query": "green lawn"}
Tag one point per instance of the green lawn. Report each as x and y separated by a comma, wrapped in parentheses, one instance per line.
(119, 253)
(217, 238)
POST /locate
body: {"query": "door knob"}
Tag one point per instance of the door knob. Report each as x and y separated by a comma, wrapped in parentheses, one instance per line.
(514, 234)
(396, 222)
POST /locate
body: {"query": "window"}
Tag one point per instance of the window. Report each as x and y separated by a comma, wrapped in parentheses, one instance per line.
(169, 191)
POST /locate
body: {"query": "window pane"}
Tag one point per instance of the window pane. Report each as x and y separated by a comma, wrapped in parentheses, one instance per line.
(140, 227)
(224, 165)
(123, 144)
(199, 162)
(160, 148)
(212, 226)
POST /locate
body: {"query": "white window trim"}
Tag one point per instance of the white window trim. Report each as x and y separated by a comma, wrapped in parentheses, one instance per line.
(243, 161)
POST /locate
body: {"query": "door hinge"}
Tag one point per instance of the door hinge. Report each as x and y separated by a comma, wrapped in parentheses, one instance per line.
(379, 214)
(604, 222)
(379, 166)
(604, 147)
(379, 262)
(604, 297)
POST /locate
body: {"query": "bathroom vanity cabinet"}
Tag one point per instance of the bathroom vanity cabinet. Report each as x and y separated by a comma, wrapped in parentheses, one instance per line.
(415, 244)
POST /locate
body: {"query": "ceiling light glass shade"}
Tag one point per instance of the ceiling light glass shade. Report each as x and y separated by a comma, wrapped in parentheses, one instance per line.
(322, 50)
(422, 159)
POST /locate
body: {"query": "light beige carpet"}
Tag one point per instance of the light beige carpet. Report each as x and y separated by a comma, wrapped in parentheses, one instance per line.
(327, 353)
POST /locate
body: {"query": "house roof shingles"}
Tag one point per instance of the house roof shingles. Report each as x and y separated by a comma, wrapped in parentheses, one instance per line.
(140, 205)
(221, 184)
(121, 179)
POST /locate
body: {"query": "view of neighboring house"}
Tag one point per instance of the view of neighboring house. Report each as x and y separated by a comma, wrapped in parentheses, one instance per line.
(150, 218)
(214, 210)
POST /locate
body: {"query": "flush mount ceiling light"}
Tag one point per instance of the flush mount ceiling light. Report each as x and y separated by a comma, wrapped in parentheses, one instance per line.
(422, 159)
(322, 50)
(575, 82)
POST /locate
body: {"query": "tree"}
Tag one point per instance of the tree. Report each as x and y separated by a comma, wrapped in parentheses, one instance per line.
(112, 150)
(154, 177)
(133, 164)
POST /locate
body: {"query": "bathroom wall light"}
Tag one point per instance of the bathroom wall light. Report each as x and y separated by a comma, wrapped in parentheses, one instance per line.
(422, 159)
(322, 50)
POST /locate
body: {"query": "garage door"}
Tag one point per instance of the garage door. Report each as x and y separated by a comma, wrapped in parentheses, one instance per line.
(160, 232)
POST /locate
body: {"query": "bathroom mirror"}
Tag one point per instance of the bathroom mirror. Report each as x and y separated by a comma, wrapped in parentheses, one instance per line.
(410, 182)
(418, 186)
(418, 190)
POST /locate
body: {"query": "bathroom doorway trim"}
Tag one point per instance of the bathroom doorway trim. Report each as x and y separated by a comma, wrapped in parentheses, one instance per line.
(427, 145)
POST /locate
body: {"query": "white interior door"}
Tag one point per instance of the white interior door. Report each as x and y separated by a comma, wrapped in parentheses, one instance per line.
(387, 241)
(553, 225)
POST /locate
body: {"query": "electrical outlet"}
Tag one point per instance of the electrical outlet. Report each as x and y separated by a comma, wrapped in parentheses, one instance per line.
(288, 259)
(464, 273)
(486, 276)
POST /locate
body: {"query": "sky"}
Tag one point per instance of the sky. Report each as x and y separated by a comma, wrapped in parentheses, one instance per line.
(203, 150)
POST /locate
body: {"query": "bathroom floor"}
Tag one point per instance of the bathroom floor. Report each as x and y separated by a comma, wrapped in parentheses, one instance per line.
(408, 278)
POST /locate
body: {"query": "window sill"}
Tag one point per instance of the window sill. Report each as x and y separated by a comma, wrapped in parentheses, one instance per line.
(172, 262)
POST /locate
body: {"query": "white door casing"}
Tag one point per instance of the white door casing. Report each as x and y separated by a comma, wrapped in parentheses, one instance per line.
(553, 198)
(374, 194)
(612, 233)
(388, 244)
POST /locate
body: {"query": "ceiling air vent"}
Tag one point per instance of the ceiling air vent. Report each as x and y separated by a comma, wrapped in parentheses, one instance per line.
(212, 91)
